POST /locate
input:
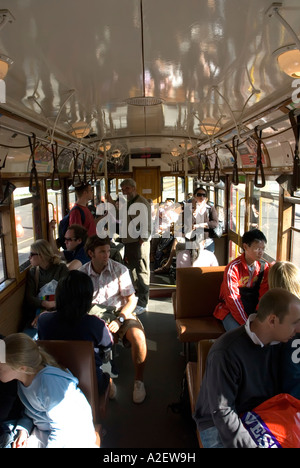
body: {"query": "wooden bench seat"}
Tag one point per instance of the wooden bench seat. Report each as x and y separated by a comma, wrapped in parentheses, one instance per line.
(194, 374)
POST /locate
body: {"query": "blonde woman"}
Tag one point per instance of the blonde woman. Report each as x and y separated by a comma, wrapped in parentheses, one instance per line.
(46, 269)
(57, 414)
(285, 275)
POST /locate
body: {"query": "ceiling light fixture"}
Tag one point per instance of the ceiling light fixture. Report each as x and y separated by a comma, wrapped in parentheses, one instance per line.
(5, 63)
(288, 57)
(105, 145)
(209, 127)
(116, 153)
(80, 129)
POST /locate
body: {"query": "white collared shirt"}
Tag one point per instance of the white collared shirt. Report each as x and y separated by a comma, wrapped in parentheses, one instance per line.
(253, 335)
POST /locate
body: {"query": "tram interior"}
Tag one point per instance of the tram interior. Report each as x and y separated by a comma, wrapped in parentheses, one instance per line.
(174, 94)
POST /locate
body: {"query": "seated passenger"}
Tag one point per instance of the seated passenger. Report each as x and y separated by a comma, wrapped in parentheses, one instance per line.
(242, 371)
(114, 300)
(286, 275)
(10, 412)
(47, 269)
(196, 258)
(59, 413)
(245, 281)
(75, 238)
(71, 321)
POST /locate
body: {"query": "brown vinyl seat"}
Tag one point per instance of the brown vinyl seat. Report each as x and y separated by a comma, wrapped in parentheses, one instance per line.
(194, 301)
(79, 358)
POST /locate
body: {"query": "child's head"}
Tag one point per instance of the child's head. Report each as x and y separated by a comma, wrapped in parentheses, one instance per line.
(285, 275)
(23, 355)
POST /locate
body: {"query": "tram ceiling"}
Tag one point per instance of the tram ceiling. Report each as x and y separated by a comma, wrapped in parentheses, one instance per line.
(145, 75)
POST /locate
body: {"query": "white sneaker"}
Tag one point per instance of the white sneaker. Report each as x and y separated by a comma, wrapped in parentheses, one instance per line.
(140, 310)
(139, 392)
(112, 391)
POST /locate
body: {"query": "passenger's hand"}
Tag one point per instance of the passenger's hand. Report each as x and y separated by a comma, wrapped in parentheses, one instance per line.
(21, 440)
(114, 326)
(52, 224)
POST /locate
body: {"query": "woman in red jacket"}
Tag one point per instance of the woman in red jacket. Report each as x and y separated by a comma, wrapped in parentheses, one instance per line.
(244, 283)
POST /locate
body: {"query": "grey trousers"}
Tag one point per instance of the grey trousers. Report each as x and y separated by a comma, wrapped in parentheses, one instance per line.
(137, 259)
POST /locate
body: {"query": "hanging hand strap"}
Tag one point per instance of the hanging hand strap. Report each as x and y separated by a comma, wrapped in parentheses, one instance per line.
(296, 169)
(55, 174)
(233, 151)
(216, 173)
(206, 177)
(259, 169)
(33, 180)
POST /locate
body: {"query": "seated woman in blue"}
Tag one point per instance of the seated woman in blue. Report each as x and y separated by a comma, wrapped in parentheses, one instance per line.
(60, 414)
(71, 321)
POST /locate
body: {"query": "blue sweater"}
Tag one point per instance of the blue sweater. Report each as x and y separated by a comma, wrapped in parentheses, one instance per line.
(59, 411)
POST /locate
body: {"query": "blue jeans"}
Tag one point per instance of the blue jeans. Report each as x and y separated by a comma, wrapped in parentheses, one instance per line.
(210, 438)
(230, 323)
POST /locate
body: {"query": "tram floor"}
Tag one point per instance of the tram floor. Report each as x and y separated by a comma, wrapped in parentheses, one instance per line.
(151, 424)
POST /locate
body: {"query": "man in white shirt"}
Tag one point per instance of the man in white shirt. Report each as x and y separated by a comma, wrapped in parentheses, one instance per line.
(115, 301)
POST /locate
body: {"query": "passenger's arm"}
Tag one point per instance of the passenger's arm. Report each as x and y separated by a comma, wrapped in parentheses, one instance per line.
(125, 312)
(224, 378)
(232, 296)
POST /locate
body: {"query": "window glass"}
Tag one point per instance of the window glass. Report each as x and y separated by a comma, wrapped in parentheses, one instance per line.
(295, 253)
(2, 257)
(168, 188)
(55, 206)
(237, 208)
(24, 219)
(268, 215)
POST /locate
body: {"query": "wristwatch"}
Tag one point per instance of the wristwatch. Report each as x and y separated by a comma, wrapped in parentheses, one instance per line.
(121, 319)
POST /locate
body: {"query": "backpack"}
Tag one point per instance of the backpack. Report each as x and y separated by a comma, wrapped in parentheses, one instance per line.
(64, 224)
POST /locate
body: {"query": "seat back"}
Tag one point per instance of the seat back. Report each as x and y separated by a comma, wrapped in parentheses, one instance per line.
(197, 291)
(203, 348)
(79, 358)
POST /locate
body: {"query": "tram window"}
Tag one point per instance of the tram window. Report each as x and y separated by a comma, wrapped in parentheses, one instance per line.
(24, 220)
(268, 215)
(3, 275)
(180, 189)
(237, 208)
(295, 252)
(168, 188)
(54, 206)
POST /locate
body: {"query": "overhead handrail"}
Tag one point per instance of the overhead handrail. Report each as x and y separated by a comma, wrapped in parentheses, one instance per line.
(259, 178)
(296, 168)
(199, 166)
(34, 188)
(55, 173)
(233, 151)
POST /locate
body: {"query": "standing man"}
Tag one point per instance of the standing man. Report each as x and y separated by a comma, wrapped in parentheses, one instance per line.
(84, 194)
(114, 301)
(136, 239)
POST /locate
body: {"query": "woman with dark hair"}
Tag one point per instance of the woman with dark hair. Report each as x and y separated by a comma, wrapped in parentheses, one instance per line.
(71, 321)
